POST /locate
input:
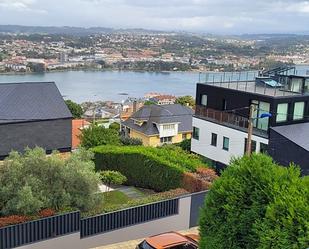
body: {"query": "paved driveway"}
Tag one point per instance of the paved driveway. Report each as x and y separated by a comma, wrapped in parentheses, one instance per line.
(132, 243)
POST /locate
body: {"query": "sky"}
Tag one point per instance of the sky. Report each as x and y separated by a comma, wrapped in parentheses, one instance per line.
(207, 16)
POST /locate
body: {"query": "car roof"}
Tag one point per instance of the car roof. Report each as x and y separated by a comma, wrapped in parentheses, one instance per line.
(167, 239)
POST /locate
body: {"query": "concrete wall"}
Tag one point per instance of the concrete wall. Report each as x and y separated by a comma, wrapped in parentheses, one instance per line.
(237, 141)
(177, 222)
(50, 135)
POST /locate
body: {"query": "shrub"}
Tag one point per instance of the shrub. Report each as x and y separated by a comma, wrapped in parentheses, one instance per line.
(131, 141)
(32, 182)
(159, 169)
(47, 212)
(110, 177)
(13, 220)
(256, 204)
(185, 145)
(115, 126)
(98, 135)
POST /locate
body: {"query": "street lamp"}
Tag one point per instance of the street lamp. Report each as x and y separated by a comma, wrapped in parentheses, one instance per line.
(250, 125)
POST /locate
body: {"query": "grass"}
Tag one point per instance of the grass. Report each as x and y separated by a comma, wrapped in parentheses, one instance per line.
(114, 198)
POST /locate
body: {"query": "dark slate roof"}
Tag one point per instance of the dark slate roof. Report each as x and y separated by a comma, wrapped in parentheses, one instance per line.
(21, 102)
(297, 133)
(161, 114)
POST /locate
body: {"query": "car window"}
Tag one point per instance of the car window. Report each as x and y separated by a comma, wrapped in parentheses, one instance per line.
(184, 246)
(145, 245)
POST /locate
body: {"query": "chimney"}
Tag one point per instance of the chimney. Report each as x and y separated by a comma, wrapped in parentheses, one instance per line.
(134, 106)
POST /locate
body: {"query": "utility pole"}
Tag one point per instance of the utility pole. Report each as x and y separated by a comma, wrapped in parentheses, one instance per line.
(250, 129)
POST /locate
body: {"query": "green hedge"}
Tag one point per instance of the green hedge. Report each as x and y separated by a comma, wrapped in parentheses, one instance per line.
(159, 169)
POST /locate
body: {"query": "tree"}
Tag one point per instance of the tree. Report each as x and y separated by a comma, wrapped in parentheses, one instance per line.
(185, 101)
(115, 126)
(96, 135)
(75, 109)
(150, 102)
(110, 177)
(256, 204)
(33, 181)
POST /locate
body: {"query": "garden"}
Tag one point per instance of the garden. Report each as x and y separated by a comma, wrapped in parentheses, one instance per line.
(34, 185)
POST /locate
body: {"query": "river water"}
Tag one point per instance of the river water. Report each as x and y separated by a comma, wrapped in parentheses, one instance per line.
(83, 86)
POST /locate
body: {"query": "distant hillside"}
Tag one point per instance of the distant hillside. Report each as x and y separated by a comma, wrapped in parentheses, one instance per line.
(66, 30)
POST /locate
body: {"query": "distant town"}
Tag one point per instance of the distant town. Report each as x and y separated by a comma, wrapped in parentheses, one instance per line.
(39, 51)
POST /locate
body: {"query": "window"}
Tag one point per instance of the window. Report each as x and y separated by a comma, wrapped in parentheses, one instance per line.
(196, 133)
(253, 145)
(164, 140)
(204, 100)
(224, 105)
(299, 108)
(261, 107)
(184, 136)
(226, 143)
(306, 87)
(168, 127)
(282, 112)
(214, 139)
(263, 148)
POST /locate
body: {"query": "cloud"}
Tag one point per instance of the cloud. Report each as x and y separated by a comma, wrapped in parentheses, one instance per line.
(219, 16)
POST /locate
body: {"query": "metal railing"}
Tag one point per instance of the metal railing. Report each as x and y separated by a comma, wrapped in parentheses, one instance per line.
(222, 116)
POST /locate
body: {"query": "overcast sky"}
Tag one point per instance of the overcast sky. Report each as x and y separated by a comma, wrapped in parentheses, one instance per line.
(213, 16)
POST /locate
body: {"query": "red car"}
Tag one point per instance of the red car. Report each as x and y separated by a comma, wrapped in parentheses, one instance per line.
(170, 240)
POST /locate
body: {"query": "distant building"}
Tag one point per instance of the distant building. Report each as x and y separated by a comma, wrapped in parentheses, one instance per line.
(33, 114)
(164, 99)
(220, 123)
(130, 107)
(157, 125)
(77, 126)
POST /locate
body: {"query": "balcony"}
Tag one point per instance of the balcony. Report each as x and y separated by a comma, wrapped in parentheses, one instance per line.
(226, 118)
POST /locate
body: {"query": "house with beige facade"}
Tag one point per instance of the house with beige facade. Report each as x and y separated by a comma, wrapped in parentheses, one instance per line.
(157, 125)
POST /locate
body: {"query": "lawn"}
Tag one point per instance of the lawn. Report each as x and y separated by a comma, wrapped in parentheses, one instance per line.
(114, 198)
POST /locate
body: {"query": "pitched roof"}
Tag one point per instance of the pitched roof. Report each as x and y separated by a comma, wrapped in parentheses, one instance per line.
(297, 133)
(161, 114)
(20, 102)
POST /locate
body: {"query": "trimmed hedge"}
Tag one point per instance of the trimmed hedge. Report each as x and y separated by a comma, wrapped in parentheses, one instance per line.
(160, 169)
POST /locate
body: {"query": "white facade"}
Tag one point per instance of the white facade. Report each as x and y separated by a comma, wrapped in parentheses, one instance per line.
(203, 146)
(168, 130)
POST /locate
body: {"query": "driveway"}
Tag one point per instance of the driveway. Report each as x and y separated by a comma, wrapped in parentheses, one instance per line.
(132, 243)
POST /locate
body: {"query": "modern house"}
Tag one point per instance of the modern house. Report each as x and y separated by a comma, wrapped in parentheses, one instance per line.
(33, 114)
(280, 118)
(156, 125)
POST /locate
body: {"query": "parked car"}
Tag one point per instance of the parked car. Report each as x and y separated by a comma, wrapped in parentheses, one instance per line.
(170, 240)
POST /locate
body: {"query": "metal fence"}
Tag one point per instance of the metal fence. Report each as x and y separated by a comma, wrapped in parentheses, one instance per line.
(37, 230)
(128, 217)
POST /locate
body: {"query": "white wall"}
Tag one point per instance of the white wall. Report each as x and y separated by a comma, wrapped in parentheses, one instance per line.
(237, 141)
(180, 221)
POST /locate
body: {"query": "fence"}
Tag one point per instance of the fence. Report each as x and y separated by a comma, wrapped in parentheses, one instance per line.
(128, 217)
(37, 230)
(174, 214)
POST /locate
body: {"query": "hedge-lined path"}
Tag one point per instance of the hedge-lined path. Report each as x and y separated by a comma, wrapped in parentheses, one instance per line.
(131, 192)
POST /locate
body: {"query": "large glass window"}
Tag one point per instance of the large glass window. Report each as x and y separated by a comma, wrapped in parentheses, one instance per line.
(214, 139)
(196, 133)
(226, 143)
(204, 100)
(296, 84)
(261, 107)
(282, 112)
(299, 109)
(306, 87)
